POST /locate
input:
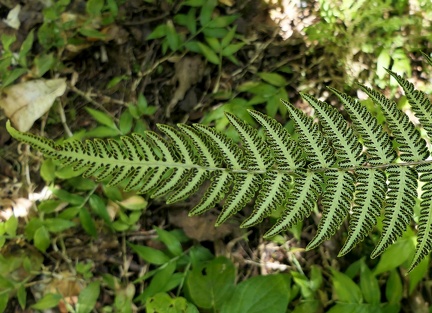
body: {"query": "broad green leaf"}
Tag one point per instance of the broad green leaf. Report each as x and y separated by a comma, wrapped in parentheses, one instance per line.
(21, 296)
(162, 302)
(354, 308)
(215, 32)
(87, 298)
(228, 37)
(214, 44)
(102, 132)
(222, 21)
(102, 118)
(150, 255)
(232, 49)
(308, 306)
(56, 225)
(260, 294)
(87, 222)
(209, 54)
(369, 285)
(170, 241)
(345, 289)
(418, 273)
(47, 170)
(207, 11)
(12, 76)
(125, 122)
(41, 239)
(211, 284)
(68, 197)
(4, 298)
(94, 7)
(273, 78)
(49, 206)
(159, 282)
(25, 48)
(99, 208)
(173, 38)
(142, 104)
(48, 301)
(11, 226)
(159, 32)
(43, 63)
(394, 288)
(395, 255)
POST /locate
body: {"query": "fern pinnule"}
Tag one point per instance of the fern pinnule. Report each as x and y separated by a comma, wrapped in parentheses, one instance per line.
(375, 139)
(314, 144)
(411, 146)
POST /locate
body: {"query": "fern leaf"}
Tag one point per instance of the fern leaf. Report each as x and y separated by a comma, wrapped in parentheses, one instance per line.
(419, 101)
(273, 191)
(316, 147)
(300, 203)
(402, 196)
(375, 139)
(335, 128)
(370, 193)
(257, 153)
(336, 204)
(245, 186)
(428, 58)
(412, 146)
(189, 185)
(287, 153)
(231, 153)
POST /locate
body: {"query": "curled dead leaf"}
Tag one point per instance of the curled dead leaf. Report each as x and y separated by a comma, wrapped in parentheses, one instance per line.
(25, 102)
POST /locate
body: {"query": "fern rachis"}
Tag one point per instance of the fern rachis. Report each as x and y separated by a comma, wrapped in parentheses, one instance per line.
(346, 166)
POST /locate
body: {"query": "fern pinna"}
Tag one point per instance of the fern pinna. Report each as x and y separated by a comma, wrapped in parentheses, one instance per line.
(357, 169)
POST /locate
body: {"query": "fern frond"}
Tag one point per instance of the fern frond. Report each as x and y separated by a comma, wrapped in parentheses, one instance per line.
(419, 101)
(347, 148)
(402, 196)
(370, 192)
(301, 201)
(315, 145)
(411, 146)
(336, 204)
(375, 139)
(345, 164)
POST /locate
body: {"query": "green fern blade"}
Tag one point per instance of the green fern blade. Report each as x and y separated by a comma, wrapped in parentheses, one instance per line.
(274, 188)
(108, 170)
(402, 196)
(316, 147)
(375, 139)
(245, 186)
(231, 153)
(300, 204)
(116, 150)
(221, 181)
(412, 146)
(207, 156)
(257, 153)
(424, 237)
(139, 178)
(287, 153)
(419, 101)
(335, 128)
(336, 203)
(191, 185)
(370, 193)
(427, 57)
(46, 146)
(131, 148)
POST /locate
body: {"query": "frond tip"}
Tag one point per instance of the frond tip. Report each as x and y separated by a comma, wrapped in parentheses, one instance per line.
(340, 168)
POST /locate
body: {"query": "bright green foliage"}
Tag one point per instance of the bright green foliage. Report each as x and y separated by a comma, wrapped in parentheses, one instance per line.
(350, 169)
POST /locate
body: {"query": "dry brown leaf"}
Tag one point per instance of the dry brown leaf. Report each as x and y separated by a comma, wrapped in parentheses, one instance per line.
(188, 72)
(202, 227)
(25, 102)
